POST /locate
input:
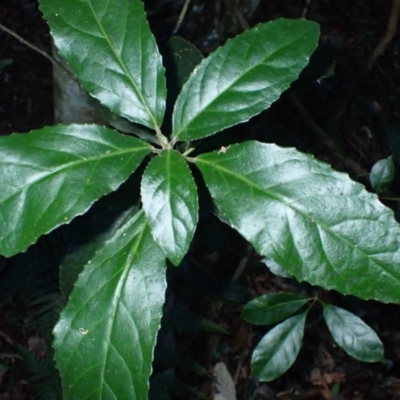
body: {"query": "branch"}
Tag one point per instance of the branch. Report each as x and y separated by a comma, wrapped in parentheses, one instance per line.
(390, 32)
(33, 47)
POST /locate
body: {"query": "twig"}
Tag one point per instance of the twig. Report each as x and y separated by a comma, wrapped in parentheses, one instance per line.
(242, 357)
(181, 17)
(243, 263)
(33, 47)
(390, 32)
(306, 8)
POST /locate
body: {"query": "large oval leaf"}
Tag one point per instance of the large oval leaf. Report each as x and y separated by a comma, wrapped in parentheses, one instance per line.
(278, 349)
(169, 198)
(316, 223)
(271, 308)
(105, 338)
(49, 176)
(243, 77)
(109, 46)
(353, 335)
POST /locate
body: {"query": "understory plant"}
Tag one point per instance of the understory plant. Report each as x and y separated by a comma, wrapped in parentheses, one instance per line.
(307, 219)
(278, 349)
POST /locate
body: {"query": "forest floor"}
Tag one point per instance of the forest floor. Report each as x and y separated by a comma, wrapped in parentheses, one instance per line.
(349, 119)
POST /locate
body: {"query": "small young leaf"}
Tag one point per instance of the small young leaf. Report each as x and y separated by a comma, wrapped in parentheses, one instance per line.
(51, 175)
(182, 58)
(4, 62)
(314, 222)
(271, 308)
(105, 337)
(353, 335)
(278, 349)
(382, 174)
(110, 48)
(169, 198)
(243, 77)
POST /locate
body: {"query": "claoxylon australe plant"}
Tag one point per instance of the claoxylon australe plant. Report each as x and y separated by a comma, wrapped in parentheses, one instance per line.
(313, 222)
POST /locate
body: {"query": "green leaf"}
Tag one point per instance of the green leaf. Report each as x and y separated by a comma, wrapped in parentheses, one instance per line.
(382, 174)
(314, 222)
(73, 263)
(5, 62)
(271, 308)
(51, 175)
(109, 46)
(170, 202)
(278, 349)
(182, 58)
(105, 338)
(275, 268)
(353, 335)
(243, 77)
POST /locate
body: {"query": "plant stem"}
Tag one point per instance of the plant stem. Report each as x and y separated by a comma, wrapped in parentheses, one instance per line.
(188, 151)
(191, 159)
(389, 34)
(181, 16)
(33, 47)
(243, 263)
(155, 150)
(390, 198)
(162, 139)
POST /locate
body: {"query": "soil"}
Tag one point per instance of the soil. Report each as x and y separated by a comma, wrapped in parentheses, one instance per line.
(349, 119)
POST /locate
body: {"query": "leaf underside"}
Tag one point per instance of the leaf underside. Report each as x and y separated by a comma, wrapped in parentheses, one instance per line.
(109, 325)
(51, 175)
(109, 46)
(316, 223)
(169, 198)
(243, 77)
(278, 349)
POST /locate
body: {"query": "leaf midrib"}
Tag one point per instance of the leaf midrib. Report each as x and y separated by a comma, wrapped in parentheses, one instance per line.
(124, 68)
(308, 217)
(199, 112)
(117, 294)
(66, 167)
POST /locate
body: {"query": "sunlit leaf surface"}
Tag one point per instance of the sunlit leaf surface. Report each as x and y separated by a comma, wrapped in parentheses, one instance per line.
(317, 224)
(105, 337)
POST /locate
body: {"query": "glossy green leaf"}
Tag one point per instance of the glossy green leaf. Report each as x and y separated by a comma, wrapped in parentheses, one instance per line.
(243, 77)
(271, 308)
(314, 222)
(278, 349)
(353, 335)
(382, 174)
(73, 263)
(109, 46)
(169, 198)
(51, 175)
(105, 337)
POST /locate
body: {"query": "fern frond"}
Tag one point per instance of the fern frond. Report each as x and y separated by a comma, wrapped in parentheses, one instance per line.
(44, 377)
